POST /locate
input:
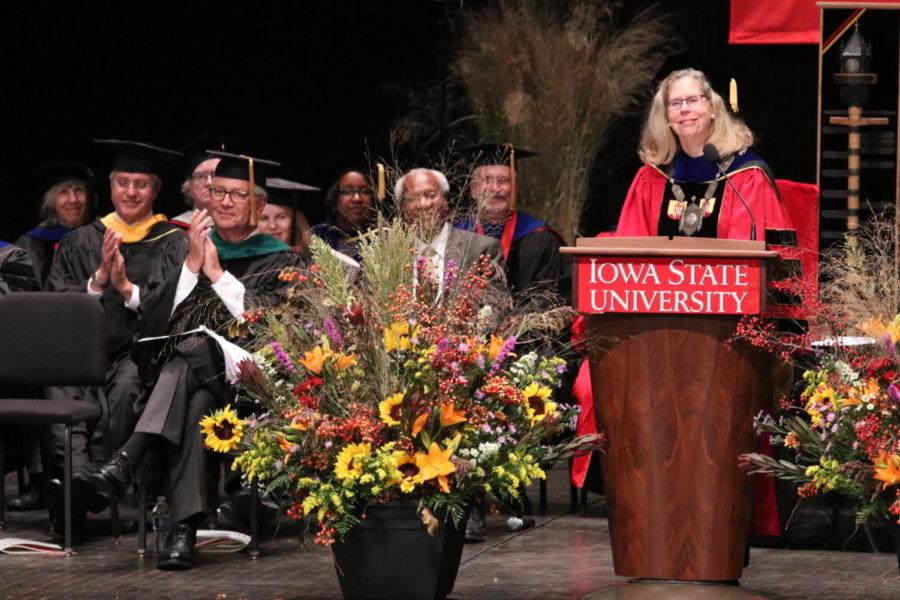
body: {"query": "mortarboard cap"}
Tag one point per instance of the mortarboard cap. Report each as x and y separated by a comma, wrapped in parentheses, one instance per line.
(283, 192)
(195, 152)
(244, 168)
(137, 157)
(52, 174)
(494, 153)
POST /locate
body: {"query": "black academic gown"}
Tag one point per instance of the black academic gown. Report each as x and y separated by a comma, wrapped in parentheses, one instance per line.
(16, 270)
(17, 275)
(188, 374)
(148, 262)
(534, 261)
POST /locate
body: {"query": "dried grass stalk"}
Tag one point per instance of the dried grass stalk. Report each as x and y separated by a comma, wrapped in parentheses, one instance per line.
(557, 76)
(860, 279)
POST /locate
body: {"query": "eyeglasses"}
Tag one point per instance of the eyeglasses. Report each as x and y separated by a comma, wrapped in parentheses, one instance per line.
(691, 101)
(139, 184)
(489, 179)
(350, 192)
(237, 196)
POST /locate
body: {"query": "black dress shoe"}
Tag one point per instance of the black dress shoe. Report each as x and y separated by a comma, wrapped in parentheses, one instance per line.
(178, 553)
(32, 498)
(54, 492)
(115, 476)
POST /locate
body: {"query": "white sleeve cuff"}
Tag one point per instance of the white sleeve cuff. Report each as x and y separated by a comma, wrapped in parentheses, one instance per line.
(231, 292)
(135, 301)
(91, 291)
(187, 281)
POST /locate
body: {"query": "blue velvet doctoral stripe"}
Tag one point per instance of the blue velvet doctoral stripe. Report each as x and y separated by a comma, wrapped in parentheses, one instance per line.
(48, 234)
(698, 169)
(525, 224)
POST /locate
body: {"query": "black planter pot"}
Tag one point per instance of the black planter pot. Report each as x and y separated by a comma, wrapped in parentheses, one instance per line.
(390, 555)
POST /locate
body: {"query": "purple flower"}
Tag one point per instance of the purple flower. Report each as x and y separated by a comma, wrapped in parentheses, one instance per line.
(282, 357)
(505, 349)
(894, 393)
(479, 395)
(450, 273)
(830, 417)
(443, 345)
(463, 347)
(331, 330)
(561, 368)
(485, 428)
(479, 361)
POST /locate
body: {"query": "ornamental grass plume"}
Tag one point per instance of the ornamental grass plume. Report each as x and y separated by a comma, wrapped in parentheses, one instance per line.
(557, 75)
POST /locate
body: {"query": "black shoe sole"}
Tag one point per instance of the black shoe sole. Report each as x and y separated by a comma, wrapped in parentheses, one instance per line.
(111, 486)
(174, 564)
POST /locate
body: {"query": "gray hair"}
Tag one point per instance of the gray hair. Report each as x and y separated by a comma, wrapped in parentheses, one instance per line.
(185, 191)
(48, 210)
(441, 179)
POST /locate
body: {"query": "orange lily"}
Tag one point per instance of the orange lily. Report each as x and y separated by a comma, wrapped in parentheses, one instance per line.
(314, 361)
(451, 416)
(344, 361)
(436, 464)
(419, 423)
(889, 473)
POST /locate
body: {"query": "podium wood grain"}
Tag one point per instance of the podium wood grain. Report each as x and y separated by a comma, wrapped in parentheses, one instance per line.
(678, 407)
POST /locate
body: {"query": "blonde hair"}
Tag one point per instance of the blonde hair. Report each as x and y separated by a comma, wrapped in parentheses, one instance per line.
(659, 144)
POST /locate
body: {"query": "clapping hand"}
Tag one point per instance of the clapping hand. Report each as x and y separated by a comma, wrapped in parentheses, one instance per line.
(198, 238)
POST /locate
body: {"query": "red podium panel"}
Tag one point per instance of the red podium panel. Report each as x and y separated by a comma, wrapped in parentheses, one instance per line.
(677, 404)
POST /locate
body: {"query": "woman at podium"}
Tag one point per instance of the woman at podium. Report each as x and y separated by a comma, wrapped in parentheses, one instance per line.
(688, 141)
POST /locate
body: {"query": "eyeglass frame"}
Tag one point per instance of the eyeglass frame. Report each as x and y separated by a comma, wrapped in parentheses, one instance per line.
(229, 193)
(689, 100)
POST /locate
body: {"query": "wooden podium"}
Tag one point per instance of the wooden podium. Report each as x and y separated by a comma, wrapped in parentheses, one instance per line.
(676, 402)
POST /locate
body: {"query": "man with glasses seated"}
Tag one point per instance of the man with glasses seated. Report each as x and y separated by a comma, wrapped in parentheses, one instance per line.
(351, 200)
(228, 270)
(530, 247)
(199, 170)
(118, 259)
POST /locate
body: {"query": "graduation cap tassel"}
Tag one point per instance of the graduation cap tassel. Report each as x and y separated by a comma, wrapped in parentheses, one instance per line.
(254, 219)
(380, 192)
(733, 95)
(512, 177)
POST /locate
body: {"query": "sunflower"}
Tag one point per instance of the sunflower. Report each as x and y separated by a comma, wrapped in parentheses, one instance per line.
(389, 409)
(314, 361)
(436, 464)
(223, 430)
(534, 398)
(409, 471)
(348, 459)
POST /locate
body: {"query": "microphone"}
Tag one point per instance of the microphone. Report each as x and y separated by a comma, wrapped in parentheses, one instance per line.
(711, 154)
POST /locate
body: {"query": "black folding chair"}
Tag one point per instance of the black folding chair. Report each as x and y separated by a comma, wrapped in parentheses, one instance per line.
(50, 339)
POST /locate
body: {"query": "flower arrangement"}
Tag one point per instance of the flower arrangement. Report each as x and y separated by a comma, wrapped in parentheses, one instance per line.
(401, 387)
(845, 426)
(846, 434)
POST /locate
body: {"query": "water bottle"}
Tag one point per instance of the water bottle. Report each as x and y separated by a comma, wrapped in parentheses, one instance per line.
(160, 523)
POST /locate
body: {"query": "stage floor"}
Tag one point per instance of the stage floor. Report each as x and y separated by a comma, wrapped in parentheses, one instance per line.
(564, 556)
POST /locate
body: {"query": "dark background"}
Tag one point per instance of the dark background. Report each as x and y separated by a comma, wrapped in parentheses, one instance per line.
(305, 82)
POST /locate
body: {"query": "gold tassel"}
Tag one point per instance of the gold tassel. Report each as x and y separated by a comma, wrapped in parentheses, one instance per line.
(254, 219)
(512, 177)
(732, 95)
(380, 192)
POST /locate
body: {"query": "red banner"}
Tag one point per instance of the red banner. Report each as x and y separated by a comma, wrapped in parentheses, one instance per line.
(780, 21)
(722, 286)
